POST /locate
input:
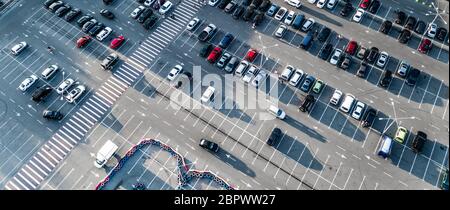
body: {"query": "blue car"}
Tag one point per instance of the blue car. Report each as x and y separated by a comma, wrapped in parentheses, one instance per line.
(272, 10)
(308, 83)
(226, 40)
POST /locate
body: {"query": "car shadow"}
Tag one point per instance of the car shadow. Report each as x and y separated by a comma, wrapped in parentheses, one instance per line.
(235, 162)
(303, 128)
(297, 151)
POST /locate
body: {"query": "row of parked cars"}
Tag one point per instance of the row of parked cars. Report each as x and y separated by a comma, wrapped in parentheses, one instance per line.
(249, 9)
(145, 15)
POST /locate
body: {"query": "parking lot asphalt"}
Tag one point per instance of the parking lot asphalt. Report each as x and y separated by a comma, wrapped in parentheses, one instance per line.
(324, 148)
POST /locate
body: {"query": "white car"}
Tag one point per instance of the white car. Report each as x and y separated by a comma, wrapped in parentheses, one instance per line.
(336, 97)
(208, 94)
(136, 12)
(213, 3)
(277, 112)
(280, 31)
(347, 104)
(287, 73)
(192, 24)
(431, 31)
(335, 58)
(16, 49)
(382, 60)
(259, 78)
(321, 3)
(176, 70)
(65, 85)
(331, 4)
(165, 7)
(281, 13)
(295, 3)
(148, 3)
(296, 77)
(289, 18)
(252, 70)
(358, 111)
(104, 33)
(75, 93)
(358, 15)
(308, 24)
(28, 82)
(312, 1)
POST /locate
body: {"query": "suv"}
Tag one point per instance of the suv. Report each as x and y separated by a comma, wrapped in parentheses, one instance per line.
(373, 54)
(39, 94)
(109, 61)
(306, 103)
(346, 9)
(386, 78)
(83, 19)
(326, 51)
(362, 70)
(410, 23)
(386, 27)
(368, 118)
(405, 36)
(400, 17)
(274, 136)
(419, 141)
(412, 77)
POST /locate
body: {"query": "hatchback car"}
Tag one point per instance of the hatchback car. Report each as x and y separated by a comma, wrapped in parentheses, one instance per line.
(358, 15)
(28, 82)
(307, 83)
(75, 93)
(209, 145)
(400, 135)
(358, 110)
(116, 42)
(251, 55)
(16, 49)
(336, 97)
(425, 46)
(335, 57)
(382, 60)
(82, 41)
(318, 86)
(296, 77)
(214, 55)
(176, 70)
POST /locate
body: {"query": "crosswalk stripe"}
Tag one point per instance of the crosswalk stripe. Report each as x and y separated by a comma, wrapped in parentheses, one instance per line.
(120, 83)
(150, 43)
(135, 60)
(33, 171)
(100, 101)
(42, 164)
(124, 77)
(46, 160)
(167, 32)
(26, 180)
(92, 106)
(63, 139)
(15, 186)
(171, 27)
(109, 91)
(61, 144)
(128, 73)
(6, 187)
(157, 44)
(51, 157)
(57, 147)
(73, 127)
(60, 156)
(143, 53)
(154, 48)
(183, 15)
(135, 63)
(31, 176)
(87, 120)
(194, 4)
(106, 94)
(65, 134)
(139, 59)
(162, 37)
(110, 87)
(160, 40)
(131, 69)
(81, 121)
(176, 25)
(15, 178)
(88, 114)
(193, 7)
(68, 130)
(116, 85)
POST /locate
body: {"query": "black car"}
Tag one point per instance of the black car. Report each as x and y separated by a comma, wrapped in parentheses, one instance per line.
(96, 29)
(52, 115)
(386, 78)
(248, 13)
(238, 12)
(368, 118)
(223, 4)
(256, 3)
(412, 77)
(410, 23)
(264, 6)
(83, 19)
(246, 2)
(47, 3)
(72, 14)
(63, 10)
(150, 22)
(346, 10)
(88, 25)
(274, 137)
(420, 27)
(373, 55)
(345, 64)
(144, 15)
(362, 70)
(400, 17)
(405, 36)
(39, 94)
(107, 2)
(374, 6)
(205, 50)
(419, 141)
(323, 34)
(441, 33)
(386, 27)
(326, 51)
(306, 103)
(209, 145)
(107, 14)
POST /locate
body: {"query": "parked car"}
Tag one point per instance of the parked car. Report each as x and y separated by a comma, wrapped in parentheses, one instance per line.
(347, 103)
(41, 93)
(325, 52)
(52, 115)
(205, 50)
(165, 7)
(400, 18)
(49, 71)
(88, 25)
(150, 22)
(358, 110)
(281, 30)
(431, 31)
(335, 57)
(318, 86)
(251, 72)
(65, 85)
(362, 53)
(223, 60)
(287, 73)
(374, 6)
(136, 12)
(280, 13)
(214, 55)
(334, 100)
(309, 80)
(72, 14)
(346, 10)
(403, 69)
(231, 65)
(109, 61)
(351, 47)
(306, 103)
(18, 48)
(358, 15)
(364, 4)
(27, 82)
(82, 41)
(83, 19)
(412, 77)
(213, 3)
(425, 46)
(174, 72)
(193, 24)
(441, 34)
(296, 77)
(386, 78)
(223, 4)
(331, 4)
(230, 6)
(368, 118)
(382, 60)
(373, 55)
(323, 34)
(346, 62)
(144, 15)
(410, 23)
(405, 36)
(260, 78)
(321, 3)
(251, 55)
(274, 136)
(238, 12)
(362, 70)
(386, 27)
(226, 40)
(400, 135)
(419, 141)
(289, 17)
(420, 27)
(249, 12)
(107, 14)
(75, 93)
(277, 112)
(116, 42)
(272, 10)
(96, 29)
(309, 23)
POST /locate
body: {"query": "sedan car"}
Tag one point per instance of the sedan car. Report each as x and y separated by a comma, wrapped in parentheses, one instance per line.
(335, 58)
(259, 79)
(431, 31)
(63, 10)
(336, 97)
(209, 145)
(81, 42)
(405, 36)
(403, 69)
(165, 7)
(358, 15)
(425, 46)
(374, 6)
(346, 10)
(296, 77)
(213, 3)
(281, 31)
(307, 83)
(16, 49)
(326, 51)
(272, 10)
(107, 14)
(400, 135)
(75, 93)
(251, 54)
(136, 12)
(193, 24)
(150, 22)
(223, 60)
(52, 115)
(289, 18)
(72, 14)
(104, 33)
(420, 27)
(386, 27)
(176, 70)
(358, 110)
(309, 23)
(382, 60)
(28, 82)
(351, 47)
(441, 33)
(116, 42)
(318, 86)
(251, 72)
(148, 3)
(214, 55)
(321, 3)
(64, 85)
(364, 4)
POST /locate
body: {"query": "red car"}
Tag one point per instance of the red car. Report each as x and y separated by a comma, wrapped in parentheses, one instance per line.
(364, 4)
(215, 53)
(425, 46)
(351, 47)
(116, 42)
(83, 41)
(251, 55)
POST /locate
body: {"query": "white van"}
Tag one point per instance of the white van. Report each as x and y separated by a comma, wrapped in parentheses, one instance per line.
(385, 147)
(240, 70)
(280, 114)
(105, 153)
(347, 103)
(208, 94)
(49, 71)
